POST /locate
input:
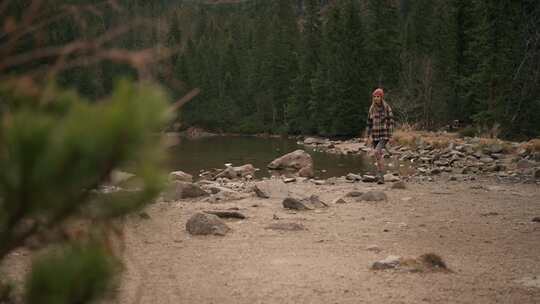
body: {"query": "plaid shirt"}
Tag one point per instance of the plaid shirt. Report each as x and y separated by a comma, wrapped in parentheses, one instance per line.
(380, 122)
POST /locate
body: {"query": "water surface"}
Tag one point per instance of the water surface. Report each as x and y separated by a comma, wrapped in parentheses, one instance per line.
(193, 156)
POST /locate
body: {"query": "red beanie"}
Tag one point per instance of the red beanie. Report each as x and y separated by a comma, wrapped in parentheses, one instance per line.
(378, 92)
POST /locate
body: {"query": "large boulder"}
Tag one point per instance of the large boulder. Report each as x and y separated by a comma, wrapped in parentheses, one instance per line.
(182, 190)
(180, 176)
(206, 224)
(295, 160)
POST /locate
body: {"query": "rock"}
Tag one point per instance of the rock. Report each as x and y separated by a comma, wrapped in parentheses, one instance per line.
(338, 201)
(206, 224)
(435, 171)
(294, 204)
(369, 179)
(524, 164)
(289, 180)
(144, 215)
(497, 155)
(441, 163)
(453, 178)
(180, 176)
(536, 156)
(495, 148)
(530, 282)
(295, 160)
(307, 172)
(400, 185)
(225, 195)
(487, 160)
(354, 194)
(260, 193)
(390, 178)
(374, 196)
(314, 141)
(389, 262)
(373, 248)
(182, 190)
(495, 168)
(118, 177)
(237, 172)
(318, 182)
(227, 214)
(313, 202)
(536, 173)
(286, 227)
(353, 177)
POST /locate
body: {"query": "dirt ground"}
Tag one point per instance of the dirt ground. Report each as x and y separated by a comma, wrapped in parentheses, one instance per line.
(483, 231)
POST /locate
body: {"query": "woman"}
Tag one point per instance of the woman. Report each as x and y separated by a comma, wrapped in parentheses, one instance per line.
(380, 125)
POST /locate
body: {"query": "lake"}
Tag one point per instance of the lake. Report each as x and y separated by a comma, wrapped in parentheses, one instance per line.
(194, 155)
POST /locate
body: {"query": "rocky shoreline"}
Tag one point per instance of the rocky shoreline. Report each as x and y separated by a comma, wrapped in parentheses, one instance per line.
(458, 159)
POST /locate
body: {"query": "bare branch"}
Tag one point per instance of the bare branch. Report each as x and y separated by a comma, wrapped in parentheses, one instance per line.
(182, 101)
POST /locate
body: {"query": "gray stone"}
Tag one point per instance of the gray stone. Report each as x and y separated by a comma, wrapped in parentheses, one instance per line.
(206, 224)
(182, 190)
(180, 176)
(315, 202)
(389, 262)
(295, 160)
(227, 214)
(314, 141)
(390, 178)
(286, 227)
(435, 171)
(373, 248)
(487, 160)
(310, 203)
(399, 185)
(353, 177)
(226, 195)
(260, 193)
(354, 194)
(289, 180)
(237, 172)
(295, 204)
(374, 196)
(369, 179)
(338, 201)
(495, 148)
(524, 164)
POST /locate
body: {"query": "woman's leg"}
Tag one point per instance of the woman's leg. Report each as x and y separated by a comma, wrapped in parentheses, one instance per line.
(379, 156)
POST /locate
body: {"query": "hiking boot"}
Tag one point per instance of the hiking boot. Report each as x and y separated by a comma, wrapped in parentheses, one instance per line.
(380, 179)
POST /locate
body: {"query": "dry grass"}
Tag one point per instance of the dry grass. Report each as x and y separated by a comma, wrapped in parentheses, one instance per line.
(486, 142)
(411, 138)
